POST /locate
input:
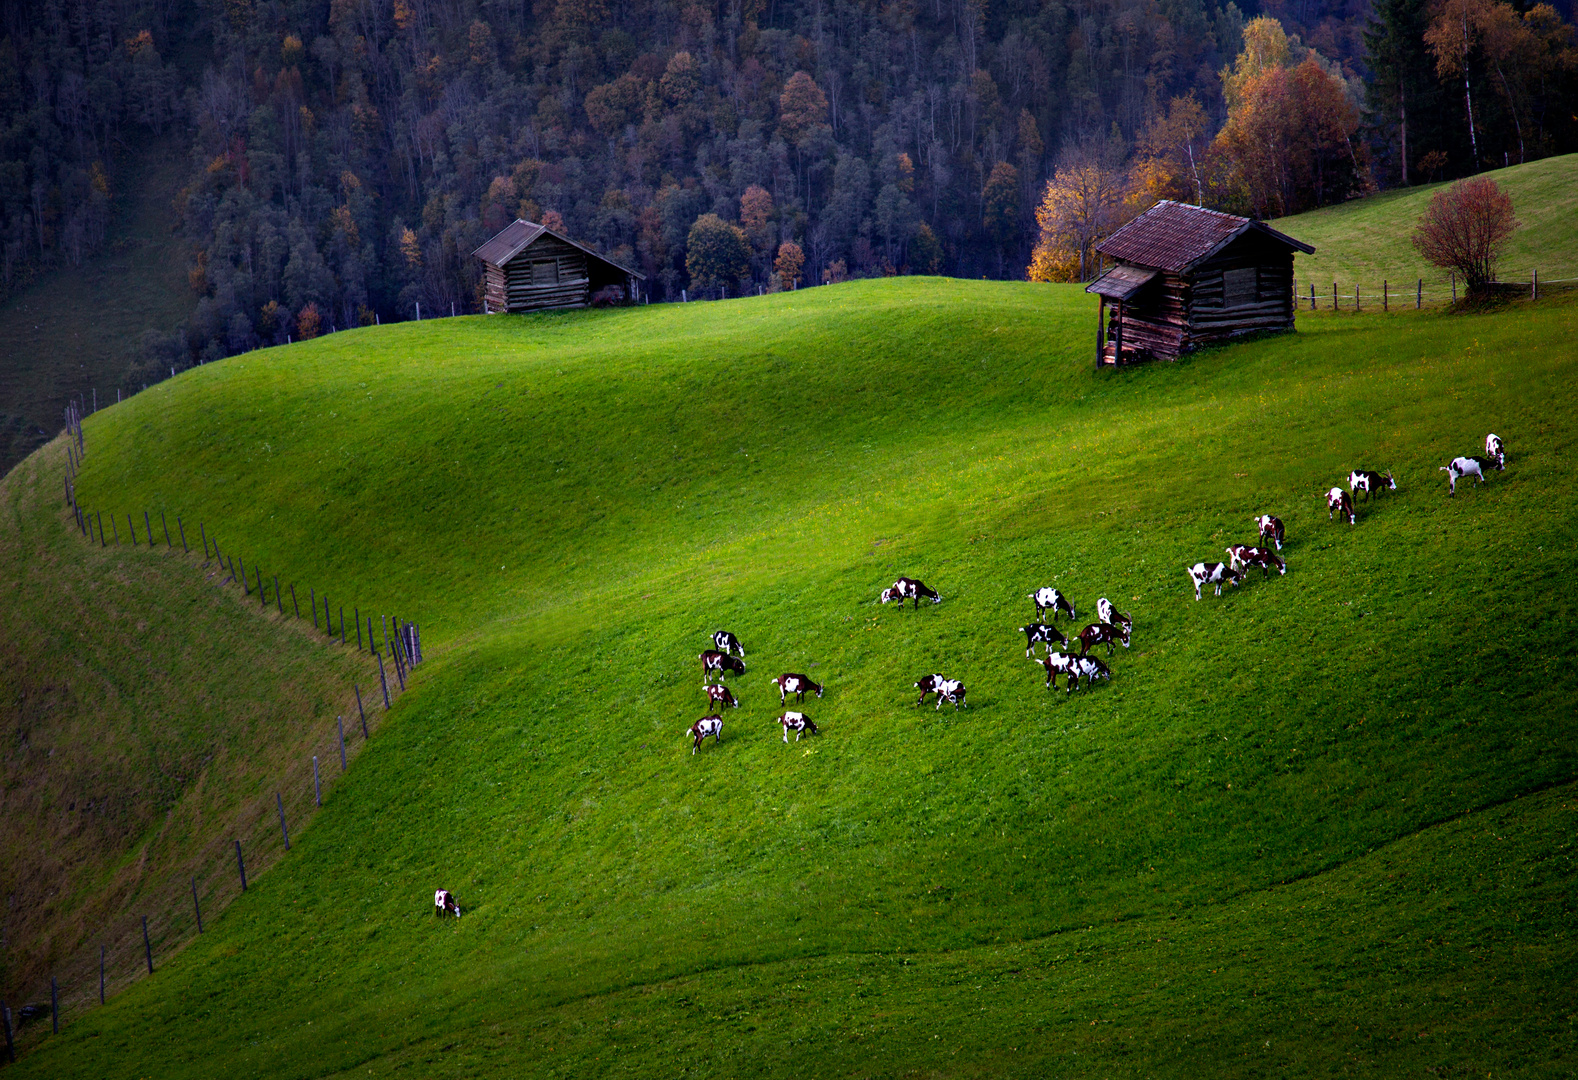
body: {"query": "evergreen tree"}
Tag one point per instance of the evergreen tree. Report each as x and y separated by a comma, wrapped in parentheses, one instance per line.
(1402, 94)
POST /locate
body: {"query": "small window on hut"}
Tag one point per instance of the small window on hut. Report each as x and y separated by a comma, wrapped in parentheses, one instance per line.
(1239, 288)
(545, 273)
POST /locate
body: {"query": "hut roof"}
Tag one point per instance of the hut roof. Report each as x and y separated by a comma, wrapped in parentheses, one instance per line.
(1121, 282)
(517, 236)
(1174, 236)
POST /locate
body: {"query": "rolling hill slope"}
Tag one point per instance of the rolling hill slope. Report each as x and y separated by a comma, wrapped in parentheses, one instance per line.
(1322, 822)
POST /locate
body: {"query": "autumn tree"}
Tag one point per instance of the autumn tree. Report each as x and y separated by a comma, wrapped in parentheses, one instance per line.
(1465, 229)
(801, 106)
(791, 260)
(1082, 204)
(717, 254)
(1170, 160)
(1453, 36)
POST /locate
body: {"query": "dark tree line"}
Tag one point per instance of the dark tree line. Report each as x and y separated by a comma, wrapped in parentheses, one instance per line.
(346, 156)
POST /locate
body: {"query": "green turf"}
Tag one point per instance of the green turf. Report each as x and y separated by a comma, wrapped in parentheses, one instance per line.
(1366, 241)
(1322, 823)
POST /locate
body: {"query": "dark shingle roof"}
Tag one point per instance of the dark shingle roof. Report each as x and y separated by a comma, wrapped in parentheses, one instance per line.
(1174, 236)
(515, 237)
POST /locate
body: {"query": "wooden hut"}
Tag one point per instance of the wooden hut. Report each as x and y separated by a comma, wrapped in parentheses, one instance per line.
(1186, 276)
(530, 267)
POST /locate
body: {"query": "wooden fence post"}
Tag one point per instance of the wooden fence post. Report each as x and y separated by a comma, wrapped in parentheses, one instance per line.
(284, 832)
(165, 525)
(148, 526)
(1534, 286)
(1385, 300)
(342, 624)
(146, 947)
(197, 908)
(115, 530)
(1419, 294)
(340, 720)
(201, 529)
(359, 710)
(278, 598)
(296, 607)
(100, 516)
(312, 602)
(131, 527)
(1312, 296)
(241, 867)
(356, 617)
(1356, 296)
(372, 645)
(383, 680)
(1334, 296)
(245, 588)
(317, 788)
(262, 595)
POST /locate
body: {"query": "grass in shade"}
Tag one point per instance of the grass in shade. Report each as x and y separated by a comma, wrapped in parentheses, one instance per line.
(1322, 823)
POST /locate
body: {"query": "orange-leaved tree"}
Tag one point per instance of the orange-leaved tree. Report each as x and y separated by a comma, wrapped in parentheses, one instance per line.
(1465, 228)
(1083, 203)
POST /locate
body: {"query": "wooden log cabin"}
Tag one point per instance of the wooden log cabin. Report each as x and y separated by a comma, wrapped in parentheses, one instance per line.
(1187, 276)
(529, 267)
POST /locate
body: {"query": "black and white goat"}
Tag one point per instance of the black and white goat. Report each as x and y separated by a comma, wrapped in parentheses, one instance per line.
(928, 685)
(1213, 573)
(444, 903)
(1049, 599)
(797, 723)
(1041, 634)
(1056, 664)
(719, 695)
(952, 691)
(1102, 634)
(1243, 556)
(909, 589)
(1109, 614)
(1459, 467)
(1367, 482)
(1270, 529)
(1338, 502)
(790, 683)
(707, 725)
(1091, 668)
(714, 661)
(1495, 451)
(726, 642)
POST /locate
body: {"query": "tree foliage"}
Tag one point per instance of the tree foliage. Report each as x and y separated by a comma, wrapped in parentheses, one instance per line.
(1083, 203)
(718, 254)
(1465, 228)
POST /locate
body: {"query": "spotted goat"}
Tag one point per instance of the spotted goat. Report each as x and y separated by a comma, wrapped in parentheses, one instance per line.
(790, 683)
(1213, 573)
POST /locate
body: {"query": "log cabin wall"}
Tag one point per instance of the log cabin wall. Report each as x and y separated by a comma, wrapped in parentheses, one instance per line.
(1246, 287)
(546, 274)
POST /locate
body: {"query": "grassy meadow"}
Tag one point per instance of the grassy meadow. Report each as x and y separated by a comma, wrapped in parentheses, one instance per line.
(1323, 823)
(1366, 241)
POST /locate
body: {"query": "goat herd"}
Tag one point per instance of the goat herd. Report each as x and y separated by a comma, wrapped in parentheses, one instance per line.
(1112, 626)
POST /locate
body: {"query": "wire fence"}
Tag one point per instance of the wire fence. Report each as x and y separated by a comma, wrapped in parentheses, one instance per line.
(1388, 295)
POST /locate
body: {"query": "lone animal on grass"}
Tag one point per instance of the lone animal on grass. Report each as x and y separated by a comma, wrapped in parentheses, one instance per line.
(719, 695)
(952, 691)
(1041, 634)
(1270, 529)
(928, 685)
(909, 589)
(1056, 664)
(1102, 634)
(1243, 556)
(444, 903)
(1091, 668)
(1106, 613)
(714, 661)
(1367, 482)
(1047, 599)
(797, 723)
(707, 725)
(1459, 467)
(726, 642)
(1338, 502)
(1213, 573)
(790, 683)
(1495, 451)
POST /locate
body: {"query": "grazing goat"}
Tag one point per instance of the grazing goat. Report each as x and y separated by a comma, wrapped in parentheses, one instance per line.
(909, 589)
(726, 642)
(1049, 599)
(1102, 634)
(1213, 573)
(1495, 452)
(1459, 467)
(1057, 664)
(1365, 481)
(444, 903)
(951, 691)
(797, 723)
(1106, 613)
(1242, 555)
(719, 695)
(1041, 634)
(790, 683)
(707, 725)
(722, 663)
(1091, 668)
(1270, 529)
(928, 685)
(1337, 502)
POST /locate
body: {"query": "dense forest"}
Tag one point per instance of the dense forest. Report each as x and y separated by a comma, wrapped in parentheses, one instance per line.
(346, 156)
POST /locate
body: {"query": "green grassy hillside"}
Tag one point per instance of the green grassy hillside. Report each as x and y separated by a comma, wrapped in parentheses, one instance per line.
(1321, 823)
(150, 714)
(1367, 241)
